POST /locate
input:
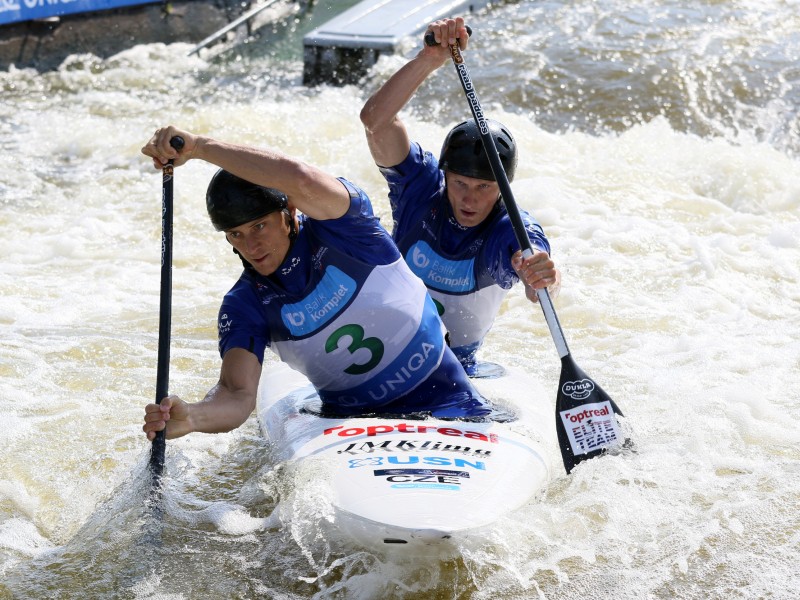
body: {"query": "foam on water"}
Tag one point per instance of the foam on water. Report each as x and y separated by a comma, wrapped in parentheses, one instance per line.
(681, 289)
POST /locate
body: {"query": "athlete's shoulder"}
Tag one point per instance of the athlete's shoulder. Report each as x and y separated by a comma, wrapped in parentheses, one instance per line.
(416, 162)
(249, 292)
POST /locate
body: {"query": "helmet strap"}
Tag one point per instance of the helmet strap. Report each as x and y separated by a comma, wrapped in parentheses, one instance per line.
(292, 227)
(246, 264)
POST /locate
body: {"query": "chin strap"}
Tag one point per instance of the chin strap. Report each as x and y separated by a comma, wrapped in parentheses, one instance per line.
(246, 264)
(293, 225)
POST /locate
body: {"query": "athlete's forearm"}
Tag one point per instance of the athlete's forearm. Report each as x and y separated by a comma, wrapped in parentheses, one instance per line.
(384, 105)
(221, 410)
(314, 192)
(387, 137)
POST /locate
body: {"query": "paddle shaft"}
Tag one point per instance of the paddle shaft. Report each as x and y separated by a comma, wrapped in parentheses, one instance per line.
(505, 190)
(585, 415)
(158, 449)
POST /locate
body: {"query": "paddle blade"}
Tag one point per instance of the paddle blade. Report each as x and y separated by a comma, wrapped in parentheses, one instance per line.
(586, 419)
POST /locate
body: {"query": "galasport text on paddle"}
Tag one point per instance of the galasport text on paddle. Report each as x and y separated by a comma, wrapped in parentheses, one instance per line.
(586, 420)
(158, 448)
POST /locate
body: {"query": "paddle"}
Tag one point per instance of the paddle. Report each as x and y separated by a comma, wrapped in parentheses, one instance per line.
(158, 448)
(585, 415)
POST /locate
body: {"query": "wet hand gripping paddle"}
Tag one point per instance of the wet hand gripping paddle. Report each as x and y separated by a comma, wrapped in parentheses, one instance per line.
(586, 420)
(158, 448)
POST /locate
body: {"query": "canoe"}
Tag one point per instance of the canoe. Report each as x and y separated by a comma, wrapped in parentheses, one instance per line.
(415, 486)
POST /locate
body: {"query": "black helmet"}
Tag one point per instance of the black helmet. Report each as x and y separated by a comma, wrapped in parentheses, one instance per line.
(463, 153)
(232, 201)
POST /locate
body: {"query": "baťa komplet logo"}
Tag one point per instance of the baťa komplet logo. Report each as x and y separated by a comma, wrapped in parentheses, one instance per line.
(591, 427)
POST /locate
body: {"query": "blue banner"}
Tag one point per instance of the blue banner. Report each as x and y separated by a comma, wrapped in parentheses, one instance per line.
(12, 11)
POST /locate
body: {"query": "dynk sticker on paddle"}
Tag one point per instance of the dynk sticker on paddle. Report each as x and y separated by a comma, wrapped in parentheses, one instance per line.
(586, 419)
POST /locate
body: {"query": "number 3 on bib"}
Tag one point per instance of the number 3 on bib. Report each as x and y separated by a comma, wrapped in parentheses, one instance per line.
(356, 334)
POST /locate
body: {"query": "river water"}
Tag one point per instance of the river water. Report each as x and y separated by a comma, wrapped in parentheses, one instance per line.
(660, 149)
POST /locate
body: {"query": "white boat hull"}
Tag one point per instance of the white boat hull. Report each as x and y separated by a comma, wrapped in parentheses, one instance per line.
(407, 483)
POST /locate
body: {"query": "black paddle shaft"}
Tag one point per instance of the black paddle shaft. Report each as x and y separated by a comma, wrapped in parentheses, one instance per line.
(585, 415)
(158, 448)
(505, 188)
